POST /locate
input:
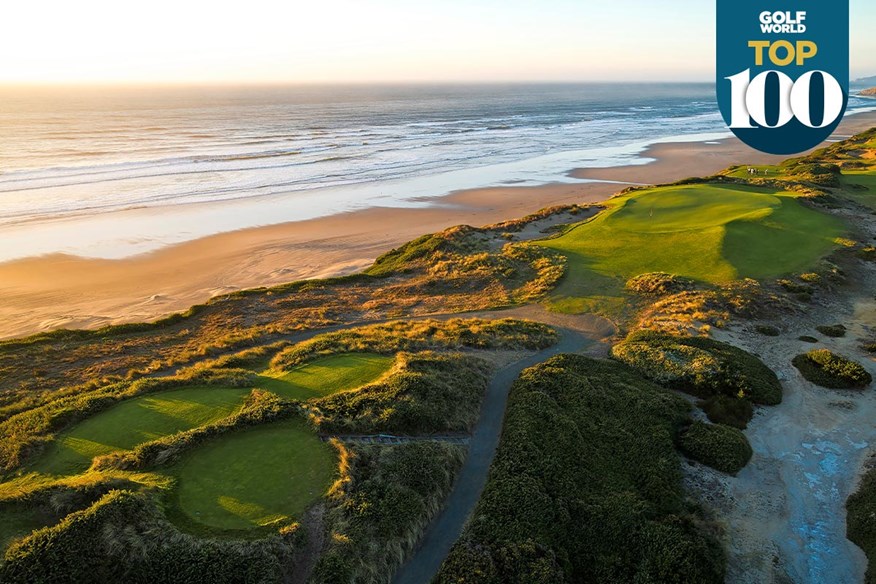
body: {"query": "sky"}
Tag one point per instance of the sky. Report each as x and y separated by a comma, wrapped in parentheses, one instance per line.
(302, 41)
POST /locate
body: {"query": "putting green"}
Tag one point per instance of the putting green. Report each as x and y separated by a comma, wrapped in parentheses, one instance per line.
(138, 420)
(255, 477)
(327, 375)
(712, 233)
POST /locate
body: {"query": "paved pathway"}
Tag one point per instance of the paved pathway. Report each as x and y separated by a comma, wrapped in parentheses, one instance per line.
(446, 528)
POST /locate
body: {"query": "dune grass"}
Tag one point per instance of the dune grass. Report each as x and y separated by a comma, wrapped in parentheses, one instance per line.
(260, 476)
(707, 232)
(135, 421)
(857, 179)
(326, 375)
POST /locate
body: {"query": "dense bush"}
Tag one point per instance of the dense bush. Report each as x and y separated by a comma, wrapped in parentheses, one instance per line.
(860, 527)
(124, 538)
(702, 366)
(427, 393)
(869, 346)
(385, 499)
(586, 486)
(832, 330)
(721, 447)
(658, 284)
(730, 411)
(392, 337)
(767, 330)
(827, 369)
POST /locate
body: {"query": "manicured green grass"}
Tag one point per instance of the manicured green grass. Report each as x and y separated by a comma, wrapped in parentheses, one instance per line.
(711, 233)
(135, 421)
(259, 476)
(327, 375)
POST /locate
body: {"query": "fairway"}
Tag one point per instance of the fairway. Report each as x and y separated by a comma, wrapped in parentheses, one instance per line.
(711, 233)
(255, 477)
(327, 375)
(137, 420)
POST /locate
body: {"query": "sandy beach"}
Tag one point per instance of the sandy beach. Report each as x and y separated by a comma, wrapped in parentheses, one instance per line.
(50, 292)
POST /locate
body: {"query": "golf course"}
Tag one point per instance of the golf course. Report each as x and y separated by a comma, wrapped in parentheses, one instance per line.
(135, 421)
(711, 233)
(326, 375)
(259, 476)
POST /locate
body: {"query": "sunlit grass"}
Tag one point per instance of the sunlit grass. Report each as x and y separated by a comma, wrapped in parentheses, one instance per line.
(711, 233)
(253, 478)
(137, 420)
(326, 375)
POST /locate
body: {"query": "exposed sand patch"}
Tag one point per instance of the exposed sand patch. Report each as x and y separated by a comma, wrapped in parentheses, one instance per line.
(784, 514)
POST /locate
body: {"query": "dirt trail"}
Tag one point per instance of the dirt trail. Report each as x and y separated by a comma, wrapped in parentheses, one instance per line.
(784, 513)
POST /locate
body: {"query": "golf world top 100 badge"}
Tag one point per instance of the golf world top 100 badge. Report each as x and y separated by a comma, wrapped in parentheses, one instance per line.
(783, 71)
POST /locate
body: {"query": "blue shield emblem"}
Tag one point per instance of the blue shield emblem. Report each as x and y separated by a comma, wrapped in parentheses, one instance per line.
(783, 71)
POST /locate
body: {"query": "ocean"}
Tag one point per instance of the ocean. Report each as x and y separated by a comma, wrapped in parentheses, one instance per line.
(79, 166)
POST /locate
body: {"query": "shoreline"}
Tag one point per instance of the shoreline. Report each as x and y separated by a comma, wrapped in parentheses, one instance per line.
(61, 291)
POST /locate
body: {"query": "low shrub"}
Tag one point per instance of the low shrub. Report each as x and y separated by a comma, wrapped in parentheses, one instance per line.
(382, 504)
(730, 411)
(860, 527)
(869, 347)
(392, 337)
(427, 393)
(767, 330)
(123, 537)
(827, 369)
(658, 284)
(704, 367)
(721, 447)
(834, 330)
(808, 339)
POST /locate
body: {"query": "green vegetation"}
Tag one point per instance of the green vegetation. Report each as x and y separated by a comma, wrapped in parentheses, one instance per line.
(721, 447)
(827, 369)
(326, 375)
(731, 411)
(135, 421)
(701, 366)
(382, 504)
(426, 393)
(658, 284)
(411, 336)
(586, 486)
(124, 538)
(835, 330)
(265, 475)
(861, 529)
(860, 187)
(767, 330)
(261, 407)
(708, 232)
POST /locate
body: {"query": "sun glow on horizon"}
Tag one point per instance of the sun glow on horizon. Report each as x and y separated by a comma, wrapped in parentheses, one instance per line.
(266, 41)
